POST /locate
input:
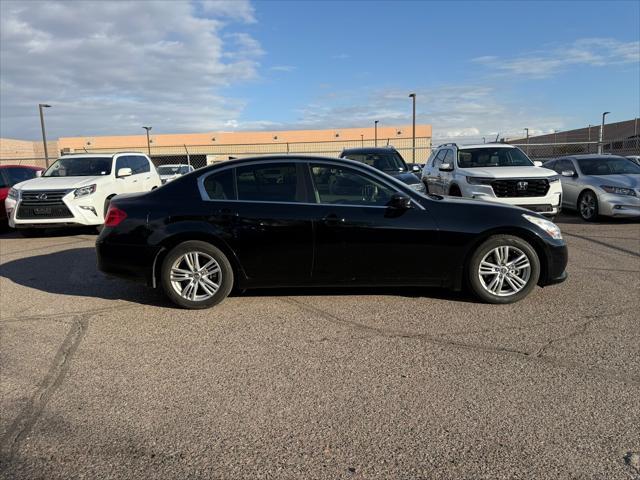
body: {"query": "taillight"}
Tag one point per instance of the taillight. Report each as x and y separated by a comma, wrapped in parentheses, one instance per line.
(114, 216)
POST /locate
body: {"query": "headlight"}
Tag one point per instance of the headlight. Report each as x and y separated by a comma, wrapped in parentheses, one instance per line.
(479, 180)
(551, 228)
(553, 178)
(84, 191)
(418, 187)
(618, 190)
(14, 194)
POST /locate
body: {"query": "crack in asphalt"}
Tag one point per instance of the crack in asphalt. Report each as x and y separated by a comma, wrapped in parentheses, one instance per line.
(27, 418)
(608, 245)
(538, 355)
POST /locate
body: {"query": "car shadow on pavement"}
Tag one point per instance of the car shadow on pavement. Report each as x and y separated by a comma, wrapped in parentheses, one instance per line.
(74, 272)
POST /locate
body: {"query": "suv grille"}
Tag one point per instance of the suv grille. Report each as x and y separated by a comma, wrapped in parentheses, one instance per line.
(537, 187)
(43, 204)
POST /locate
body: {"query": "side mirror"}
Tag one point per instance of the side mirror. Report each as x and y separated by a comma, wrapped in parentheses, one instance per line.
(400, 201)
(568, 173)
(124, 172)
(537, 163)
(38, 173)
(446, 167)
(415, 168)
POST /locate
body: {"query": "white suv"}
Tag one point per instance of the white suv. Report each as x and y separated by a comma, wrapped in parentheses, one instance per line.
(493, 172)
(77, 189)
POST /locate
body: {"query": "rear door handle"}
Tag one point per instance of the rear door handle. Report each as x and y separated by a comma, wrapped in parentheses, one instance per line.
(333, 219)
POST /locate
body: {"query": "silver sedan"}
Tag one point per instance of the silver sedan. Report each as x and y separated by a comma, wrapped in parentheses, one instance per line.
(595, 185)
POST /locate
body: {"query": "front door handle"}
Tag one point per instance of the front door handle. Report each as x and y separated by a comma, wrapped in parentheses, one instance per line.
(333, 219)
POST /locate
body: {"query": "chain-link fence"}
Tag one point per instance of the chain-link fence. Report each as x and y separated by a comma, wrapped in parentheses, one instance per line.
(546, 151)
(200, 155)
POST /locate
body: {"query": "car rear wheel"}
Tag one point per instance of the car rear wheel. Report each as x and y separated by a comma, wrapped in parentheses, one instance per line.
(196, 275)
(588, 206)
(504, 269)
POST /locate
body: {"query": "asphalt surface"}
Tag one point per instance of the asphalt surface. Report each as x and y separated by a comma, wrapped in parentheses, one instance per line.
(101, 378)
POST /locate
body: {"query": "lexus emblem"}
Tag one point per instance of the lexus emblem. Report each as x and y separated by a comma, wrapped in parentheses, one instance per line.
(41, 196)
(523, 185)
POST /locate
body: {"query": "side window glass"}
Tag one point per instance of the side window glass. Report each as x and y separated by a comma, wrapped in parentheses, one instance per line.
(448, 158)
(274, 182)
(342, 186)
(438, 160)
(219, 186)
(123, 162)
(3, 182)
(142, 165)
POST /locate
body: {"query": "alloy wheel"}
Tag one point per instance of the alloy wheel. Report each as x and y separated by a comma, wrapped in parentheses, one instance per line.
(196, 276)
(587, 206)
(504, 271)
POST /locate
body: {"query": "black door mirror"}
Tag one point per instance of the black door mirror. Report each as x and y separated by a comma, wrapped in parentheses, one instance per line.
(400, 201)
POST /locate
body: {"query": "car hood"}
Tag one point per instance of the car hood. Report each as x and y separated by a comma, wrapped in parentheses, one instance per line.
(631, 180)
(406, 177)
(508, 172)
(59, 183)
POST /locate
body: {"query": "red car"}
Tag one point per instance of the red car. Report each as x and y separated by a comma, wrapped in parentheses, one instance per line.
(9, 176)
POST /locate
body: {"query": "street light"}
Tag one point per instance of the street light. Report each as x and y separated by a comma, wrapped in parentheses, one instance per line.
(375, 132)
(362, 139)
(527, 131)
(148, 141)
(413, 96)
(44, 135)
(600, 144)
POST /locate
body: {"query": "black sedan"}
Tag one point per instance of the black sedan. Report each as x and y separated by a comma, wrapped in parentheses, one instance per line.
(304, 221)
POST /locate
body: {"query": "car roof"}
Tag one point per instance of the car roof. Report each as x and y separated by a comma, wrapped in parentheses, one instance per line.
(484, 145)
(592, 155)
(286, 158)
(386, 149)
(99, 155)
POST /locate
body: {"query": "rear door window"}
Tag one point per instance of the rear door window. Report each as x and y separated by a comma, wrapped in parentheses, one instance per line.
(273, 182)
(138, 164)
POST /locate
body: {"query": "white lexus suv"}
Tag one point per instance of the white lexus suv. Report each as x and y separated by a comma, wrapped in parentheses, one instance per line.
(493, 172)
(76, 190)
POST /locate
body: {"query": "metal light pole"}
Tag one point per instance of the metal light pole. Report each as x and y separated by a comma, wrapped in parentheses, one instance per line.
(362, 139)
(44, 135)
(600, 143)
(148, 141)
(527, 131)
(375, 132)
(484, 139)
(413, 96)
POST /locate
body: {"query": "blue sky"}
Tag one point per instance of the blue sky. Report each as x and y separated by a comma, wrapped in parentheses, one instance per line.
(478, 67)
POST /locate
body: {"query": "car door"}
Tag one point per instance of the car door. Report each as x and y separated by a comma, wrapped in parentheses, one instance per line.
(570, 185)
(271, 224)
(142, 169)
(445, 178)
(125, 184)
(434, 174)
(359, 238)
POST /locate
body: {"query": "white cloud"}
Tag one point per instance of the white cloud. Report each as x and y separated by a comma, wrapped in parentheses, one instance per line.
(110, 67)
(283, 68)
(457, 113)
(595, 52)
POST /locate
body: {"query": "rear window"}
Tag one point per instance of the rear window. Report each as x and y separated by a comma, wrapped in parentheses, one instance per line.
(219, 186)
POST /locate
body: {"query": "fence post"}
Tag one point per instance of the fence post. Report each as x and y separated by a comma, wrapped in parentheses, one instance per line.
(188, 157)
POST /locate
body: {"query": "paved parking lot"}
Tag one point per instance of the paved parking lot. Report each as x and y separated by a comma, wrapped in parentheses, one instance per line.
(104, 379)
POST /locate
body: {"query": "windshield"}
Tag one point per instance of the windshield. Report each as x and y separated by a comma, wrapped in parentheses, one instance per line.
(607, 166)
(385, 161)
(79, 167)
(173, 169)
(492, 157)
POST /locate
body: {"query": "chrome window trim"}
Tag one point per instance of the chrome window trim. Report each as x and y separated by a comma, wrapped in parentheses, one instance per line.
(205, 197)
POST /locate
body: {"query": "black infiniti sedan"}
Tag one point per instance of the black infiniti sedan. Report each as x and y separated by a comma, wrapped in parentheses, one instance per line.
(389, 161)
(305, 221)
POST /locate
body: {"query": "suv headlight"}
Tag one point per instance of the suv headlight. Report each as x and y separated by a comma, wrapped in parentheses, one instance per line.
(548, 226)
(13, 194)
(553, 178)
(479, 180)
(618, 190)
(84, 191)
(418, 187)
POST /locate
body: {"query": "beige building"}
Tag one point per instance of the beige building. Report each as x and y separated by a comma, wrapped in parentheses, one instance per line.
(206, 148)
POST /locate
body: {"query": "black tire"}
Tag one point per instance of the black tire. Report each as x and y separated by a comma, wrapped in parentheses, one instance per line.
(225, 269)
(455, 191)
(473, 276)
(588, 214)
(32, 232)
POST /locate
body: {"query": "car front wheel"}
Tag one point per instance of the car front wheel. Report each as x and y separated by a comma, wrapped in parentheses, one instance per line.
(196, 275)
(504, 269)
(588, 206)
